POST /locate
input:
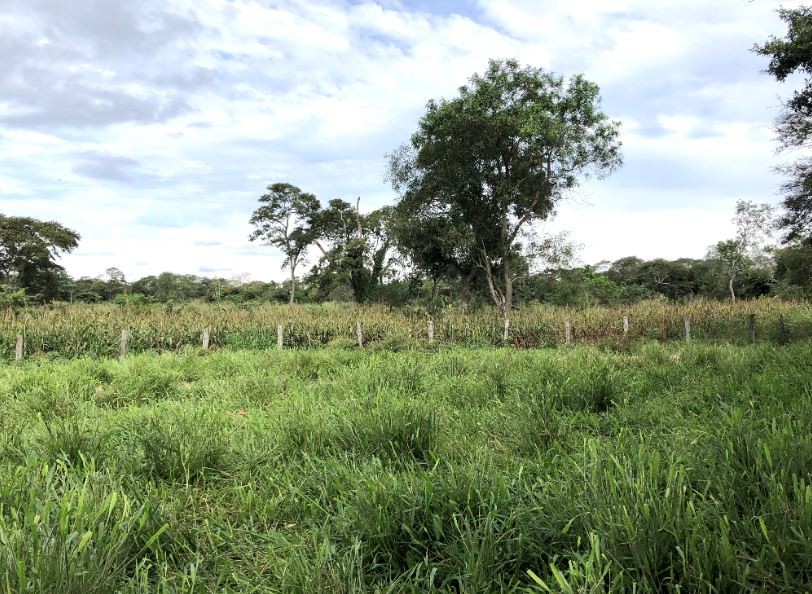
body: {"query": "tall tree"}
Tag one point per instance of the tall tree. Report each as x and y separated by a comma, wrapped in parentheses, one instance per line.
(429, 244)
(355, 248)
(28, 252)
(753, 223)
(789, 55)
(500, 156)
(283, 221)
(116, 282)
(793, 269)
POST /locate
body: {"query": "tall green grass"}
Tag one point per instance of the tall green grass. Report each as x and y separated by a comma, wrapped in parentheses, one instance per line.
(661, 468)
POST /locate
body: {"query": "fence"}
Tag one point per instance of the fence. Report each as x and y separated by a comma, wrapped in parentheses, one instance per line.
(289, 336)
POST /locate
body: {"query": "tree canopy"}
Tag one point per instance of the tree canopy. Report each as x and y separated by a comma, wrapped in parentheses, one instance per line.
(753, 223)
(793, 54)
(488, 163)
(29, 249)
(283, 221)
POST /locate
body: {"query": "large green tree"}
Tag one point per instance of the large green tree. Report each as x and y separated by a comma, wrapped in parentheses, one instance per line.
(432, 245)
(789, 55)
(793, 269)
(500, 156)
(283, 220)
(355, 248)
(29, 249)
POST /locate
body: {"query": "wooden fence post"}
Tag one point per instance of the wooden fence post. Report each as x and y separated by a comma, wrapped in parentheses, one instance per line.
(625, 326)
(358, 333)
(122, 345)
(567, 332)
(18, 349)
(205, 339)
(751, 323)
(687, 321)
(280, 336)
(507, 330)
(431, 331)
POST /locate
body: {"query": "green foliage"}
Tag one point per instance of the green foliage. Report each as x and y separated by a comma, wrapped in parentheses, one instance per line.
(72, 440)
(793, 270)
(793, 54)
(68, 532)
(28, 252)
(283, 220)
(665, 468)
(358, 259)
(181, 447)
(12, 297)
(482, 167)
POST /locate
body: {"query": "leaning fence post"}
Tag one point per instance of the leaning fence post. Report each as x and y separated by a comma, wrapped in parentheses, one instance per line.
(687, 321)
(122, 345)
(431, 331)
(358, 333)
(18, 349)
(507, 330)
(567, 332)
(625, 326)
(751, 323)
(205, 339)
(280, 336)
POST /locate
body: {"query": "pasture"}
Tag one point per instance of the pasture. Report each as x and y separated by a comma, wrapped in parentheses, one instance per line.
(659, 467)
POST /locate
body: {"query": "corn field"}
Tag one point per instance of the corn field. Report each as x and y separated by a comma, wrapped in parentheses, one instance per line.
(71, 330)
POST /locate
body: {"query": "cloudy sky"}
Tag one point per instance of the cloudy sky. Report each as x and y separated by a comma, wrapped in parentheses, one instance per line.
(151, 127)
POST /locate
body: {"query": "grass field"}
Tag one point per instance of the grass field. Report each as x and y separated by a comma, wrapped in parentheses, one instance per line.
(666, 468)
(72, 330)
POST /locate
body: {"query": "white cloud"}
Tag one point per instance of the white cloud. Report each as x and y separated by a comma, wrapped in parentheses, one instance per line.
(248, 93)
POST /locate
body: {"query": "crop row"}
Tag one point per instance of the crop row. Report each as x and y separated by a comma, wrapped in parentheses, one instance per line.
(71, 330)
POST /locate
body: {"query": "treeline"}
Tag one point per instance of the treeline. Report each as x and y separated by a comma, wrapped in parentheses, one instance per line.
(787, 274)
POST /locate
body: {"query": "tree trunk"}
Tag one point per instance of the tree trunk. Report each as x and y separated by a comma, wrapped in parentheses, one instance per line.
(730, 286)
(292, 282)
(498, 301)
(508, 303)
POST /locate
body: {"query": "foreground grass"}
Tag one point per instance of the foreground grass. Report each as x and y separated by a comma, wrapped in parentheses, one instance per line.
(668, 468)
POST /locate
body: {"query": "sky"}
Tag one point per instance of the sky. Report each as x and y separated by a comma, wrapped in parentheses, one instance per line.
(151, 127)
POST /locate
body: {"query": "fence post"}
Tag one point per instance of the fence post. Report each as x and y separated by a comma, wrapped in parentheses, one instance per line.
(687, 321)
(625, 326)
(567, 332)
(18, 349)
(507, 330)
(358, 333)
(280, 336)
(751, 323)
(205, 339)
(431, 331)
(122, 345)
